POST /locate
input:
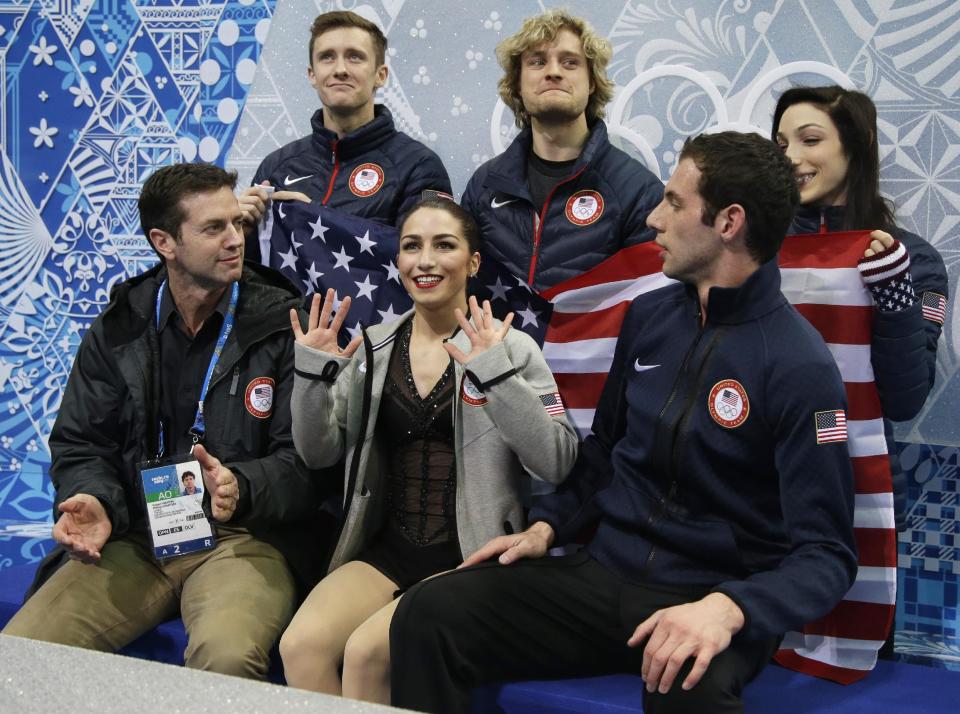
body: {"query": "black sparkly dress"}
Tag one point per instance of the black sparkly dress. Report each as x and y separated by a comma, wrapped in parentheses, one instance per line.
(418, 537)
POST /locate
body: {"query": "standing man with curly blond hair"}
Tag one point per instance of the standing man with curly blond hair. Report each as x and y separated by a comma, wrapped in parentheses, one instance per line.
(561, 198)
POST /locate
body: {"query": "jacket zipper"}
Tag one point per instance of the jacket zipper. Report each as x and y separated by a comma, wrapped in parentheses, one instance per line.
(333, 176)
(354, 469)
(823, 219)
(538, 220)
(653, 518)
(685, 414)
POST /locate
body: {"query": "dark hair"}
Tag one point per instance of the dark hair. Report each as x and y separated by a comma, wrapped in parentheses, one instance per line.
(855, 116)
(188, 473)
(468, 226)
(344, 18)
(753, 172)
(160, 197)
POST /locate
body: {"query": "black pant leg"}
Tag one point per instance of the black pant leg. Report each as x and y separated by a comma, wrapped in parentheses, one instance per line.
(720, 689)
(550, 618)
(545, 618)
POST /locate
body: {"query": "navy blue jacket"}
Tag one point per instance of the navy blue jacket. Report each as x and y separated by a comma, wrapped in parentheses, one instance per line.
(904, 347)
(328, 169)
(543, 244)
(756, 510)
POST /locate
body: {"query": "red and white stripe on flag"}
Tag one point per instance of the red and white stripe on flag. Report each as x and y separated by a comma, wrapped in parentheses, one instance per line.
(820, 277)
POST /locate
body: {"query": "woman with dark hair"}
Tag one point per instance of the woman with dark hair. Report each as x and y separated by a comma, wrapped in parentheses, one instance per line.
(442, 420)
(830, 135)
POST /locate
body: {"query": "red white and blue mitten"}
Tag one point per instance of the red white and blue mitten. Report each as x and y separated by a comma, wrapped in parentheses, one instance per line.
(887, 276)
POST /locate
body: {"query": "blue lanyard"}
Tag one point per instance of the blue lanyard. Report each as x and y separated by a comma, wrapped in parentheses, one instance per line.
(199, 427)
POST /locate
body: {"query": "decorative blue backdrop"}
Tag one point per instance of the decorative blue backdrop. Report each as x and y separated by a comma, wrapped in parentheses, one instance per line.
(98, 93)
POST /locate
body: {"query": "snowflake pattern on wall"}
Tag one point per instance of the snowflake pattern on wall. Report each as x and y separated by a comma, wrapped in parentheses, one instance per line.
(97, 96)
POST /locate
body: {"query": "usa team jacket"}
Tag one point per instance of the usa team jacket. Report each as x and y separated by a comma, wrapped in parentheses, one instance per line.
(599, 208)
(903, 351)
(375, 172)
(717, 461)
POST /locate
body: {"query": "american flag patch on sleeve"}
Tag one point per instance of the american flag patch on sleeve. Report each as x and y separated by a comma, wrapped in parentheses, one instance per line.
(934, 307)
(552, 403)
(831, 426)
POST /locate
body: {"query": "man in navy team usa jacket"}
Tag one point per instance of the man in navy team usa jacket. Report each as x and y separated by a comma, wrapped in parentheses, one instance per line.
(561, 198)
(717, 478)
(354, 160)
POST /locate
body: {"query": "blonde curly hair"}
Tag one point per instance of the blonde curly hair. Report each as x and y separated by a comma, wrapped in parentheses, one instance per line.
(545, 28)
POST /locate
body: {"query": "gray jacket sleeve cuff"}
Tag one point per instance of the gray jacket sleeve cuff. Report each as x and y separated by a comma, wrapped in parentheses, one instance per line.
(491, 367)
(317, 365)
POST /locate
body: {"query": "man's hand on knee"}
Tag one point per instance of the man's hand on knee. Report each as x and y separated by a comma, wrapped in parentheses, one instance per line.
(83, 528)
(531, 543)
(700, 629)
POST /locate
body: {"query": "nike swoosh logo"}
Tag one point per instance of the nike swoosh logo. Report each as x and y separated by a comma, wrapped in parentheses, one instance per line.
(289, 181)
(494, 203)
(644, 367)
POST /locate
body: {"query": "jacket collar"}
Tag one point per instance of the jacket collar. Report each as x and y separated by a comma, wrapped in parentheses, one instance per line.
(808, 219)
(168, 308)
(508, 172)
(263, 292)
(757, 296)
(361, 140)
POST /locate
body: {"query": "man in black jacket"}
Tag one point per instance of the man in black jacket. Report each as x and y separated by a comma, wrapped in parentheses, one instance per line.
(137, 391)
(561, 198)
(354, 160)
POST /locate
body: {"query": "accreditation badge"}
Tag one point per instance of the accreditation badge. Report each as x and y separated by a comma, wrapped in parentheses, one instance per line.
(173, 491)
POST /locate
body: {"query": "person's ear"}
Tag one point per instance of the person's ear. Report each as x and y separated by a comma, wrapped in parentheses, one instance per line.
(731, 221)
(162, 242)
(382, 73)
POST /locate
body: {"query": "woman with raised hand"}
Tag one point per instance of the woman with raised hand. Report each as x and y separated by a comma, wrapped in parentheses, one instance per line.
(441, 420)
(830, 135)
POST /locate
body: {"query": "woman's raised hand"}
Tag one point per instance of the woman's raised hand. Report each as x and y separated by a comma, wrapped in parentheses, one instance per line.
(321, 331)
(880, 241)
(483, 333)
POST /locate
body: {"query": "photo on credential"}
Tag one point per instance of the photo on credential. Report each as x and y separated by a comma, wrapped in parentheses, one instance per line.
(189, 479)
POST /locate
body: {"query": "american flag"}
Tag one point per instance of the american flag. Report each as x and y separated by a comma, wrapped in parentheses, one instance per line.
(731, 398)
(820, 278)
(831, 426)
(934, 307)
(578, 322)
(552, 403)
(320, 248)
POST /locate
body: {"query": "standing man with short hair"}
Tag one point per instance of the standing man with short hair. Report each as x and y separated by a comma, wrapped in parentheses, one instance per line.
(561, 198)
(717, 477)
(194, 353)
(355, 160)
